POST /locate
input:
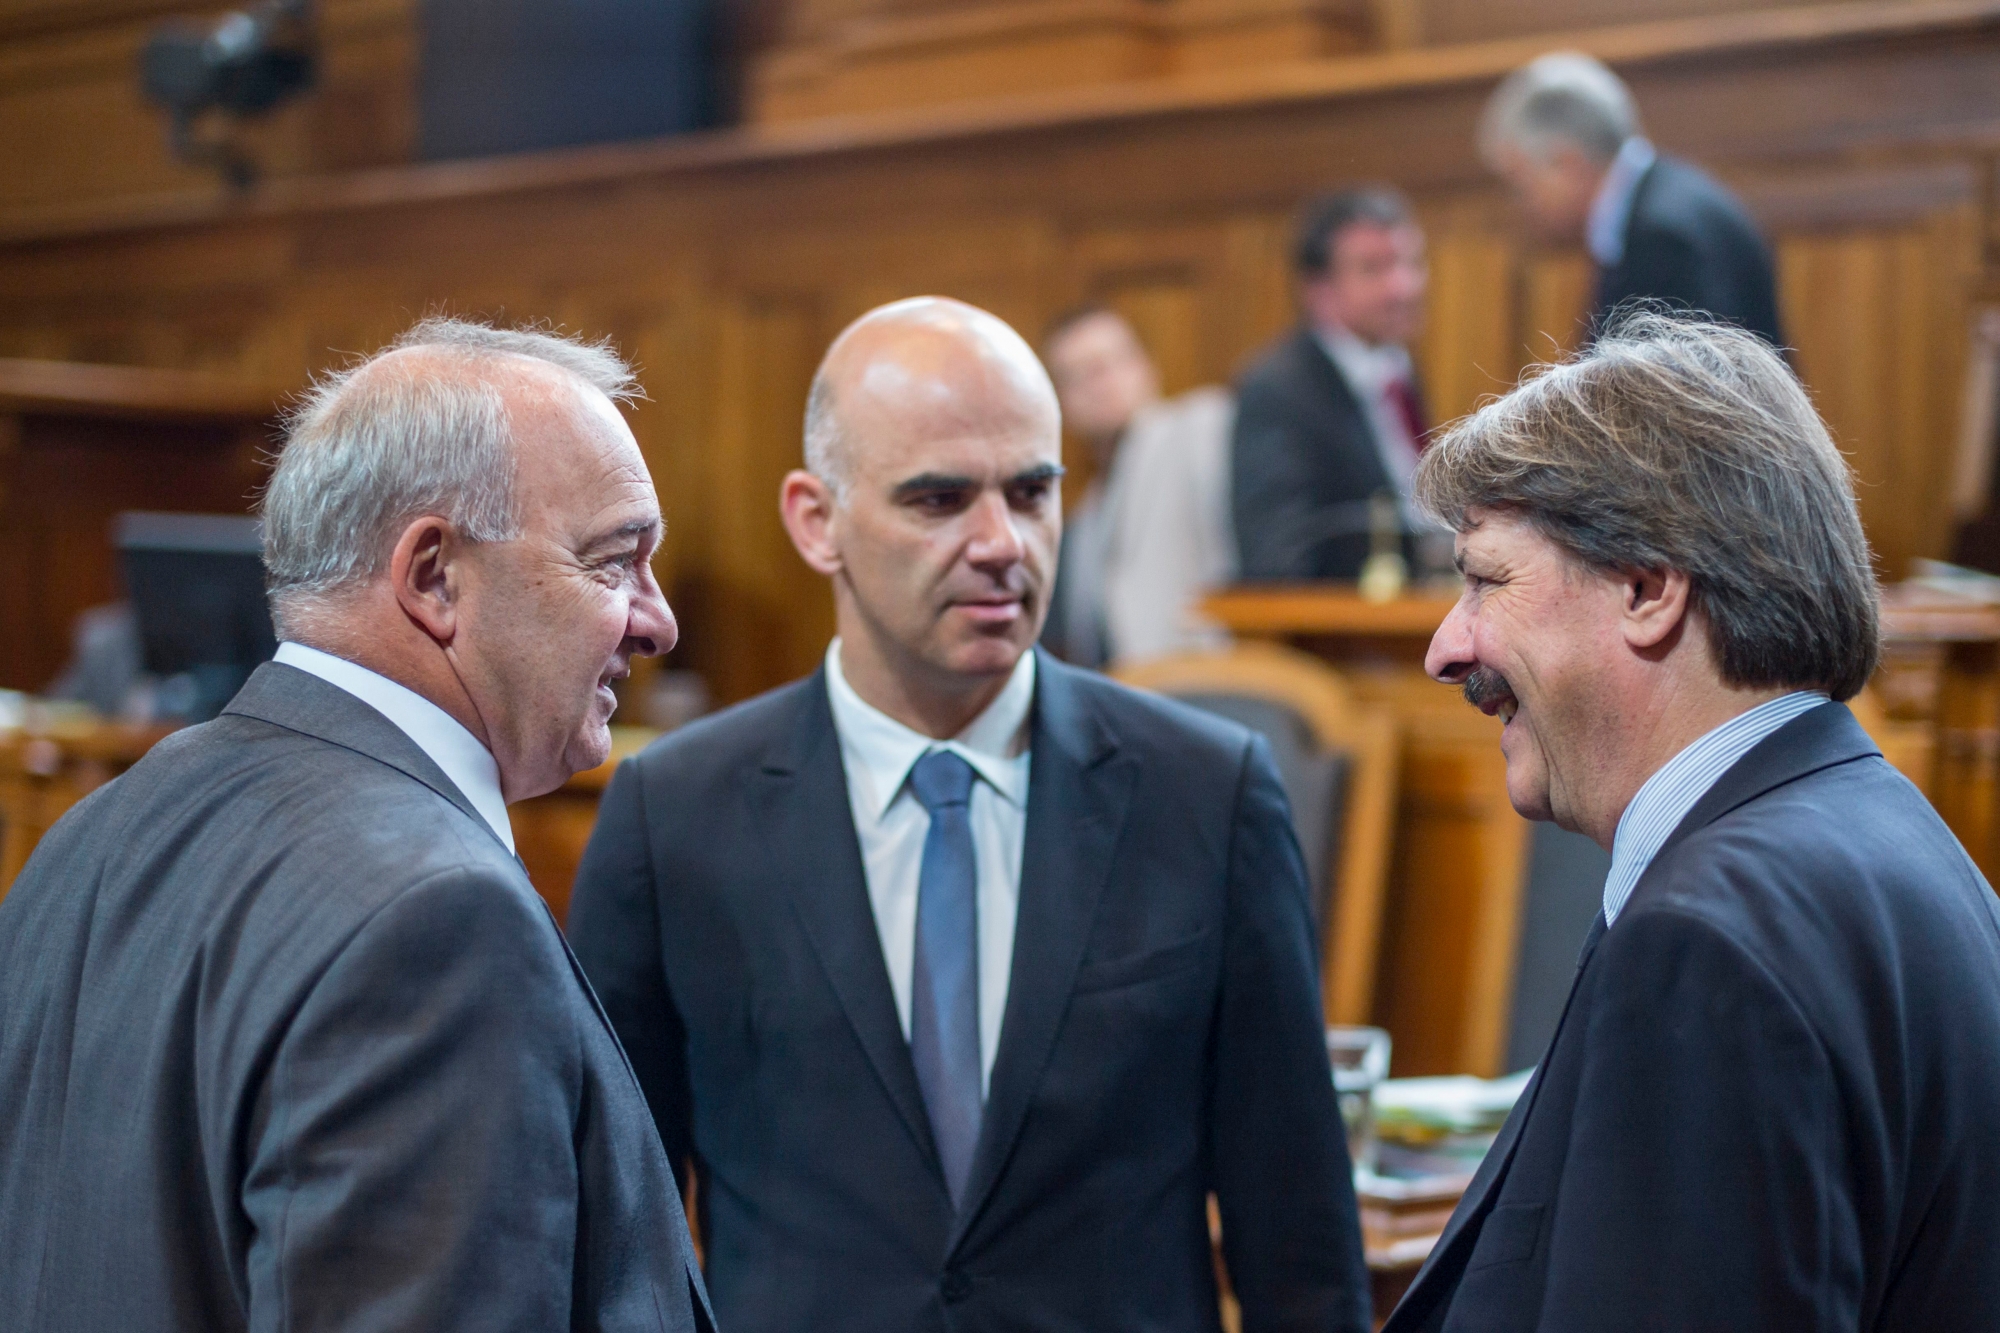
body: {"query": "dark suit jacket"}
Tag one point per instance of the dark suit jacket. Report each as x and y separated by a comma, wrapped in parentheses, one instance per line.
(1161, 1038)
(288, 1042)
(1690, 244)
(1773, 1101)
(1303, 465)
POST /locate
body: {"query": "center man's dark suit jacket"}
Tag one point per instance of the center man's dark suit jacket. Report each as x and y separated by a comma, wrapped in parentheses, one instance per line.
(1161, 1038)
(1690, 244)
(1773, 1101)
(1303, 466)
(288, 1042)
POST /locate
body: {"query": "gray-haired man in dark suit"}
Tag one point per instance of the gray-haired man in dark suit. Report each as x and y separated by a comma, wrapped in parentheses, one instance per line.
(287, 1039)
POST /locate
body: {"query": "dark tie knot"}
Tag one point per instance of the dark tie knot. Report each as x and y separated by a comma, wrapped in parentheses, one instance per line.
(941, 778)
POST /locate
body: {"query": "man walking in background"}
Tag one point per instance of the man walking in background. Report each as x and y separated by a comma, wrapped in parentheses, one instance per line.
(287, 1038)
(1562, 131)
(1773, 1100)
(1151, 536)
(1331, 420)
(960, 978)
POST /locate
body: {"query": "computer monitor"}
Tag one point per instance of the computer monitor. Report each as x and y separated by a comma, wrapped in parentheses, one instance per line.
(197, 588)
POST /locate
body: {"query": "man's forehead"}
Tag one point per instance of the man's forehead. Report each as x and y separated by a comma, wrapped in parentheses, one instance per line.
(984, 458)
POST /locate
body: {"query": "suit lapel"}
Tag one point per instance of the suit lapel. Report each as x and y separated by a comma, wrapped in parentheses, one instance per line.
(1078, 790)
(299, 701)
(1493, 1167)
(1817, 739)
(799, 797)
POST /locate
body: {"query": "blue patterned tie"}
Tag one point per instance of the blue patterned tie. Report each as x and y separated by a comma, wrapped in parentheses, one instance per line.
(944, 991)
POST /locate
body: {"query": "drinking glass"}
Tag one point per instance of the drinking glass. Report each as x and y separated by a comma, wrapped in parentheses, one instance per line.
(1360, 1058)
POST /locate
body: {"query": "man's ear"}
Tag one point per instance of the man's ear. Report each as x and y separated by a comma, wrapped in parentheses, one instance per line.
(424, 571)
(1655, 605)
(807, 506)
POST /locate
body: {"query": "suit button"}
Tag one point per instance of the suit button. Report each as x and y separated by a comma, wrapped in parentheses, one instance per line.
(957, 1285)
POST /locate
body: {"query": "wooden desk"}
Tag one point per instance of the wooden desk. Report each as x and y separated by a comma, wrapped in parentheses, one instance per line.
(43, 772)
(46, 770)
(1941, 671)
(1444, 984)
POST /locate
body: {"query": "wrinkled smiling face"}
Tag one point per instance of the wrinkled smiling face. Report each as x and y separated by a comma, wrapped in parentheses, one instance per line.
(1531, 641)
(557, 614)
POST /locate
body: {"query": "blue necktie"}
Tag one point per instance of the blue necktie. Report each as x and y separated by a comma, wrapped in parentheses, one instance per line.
(944, 991)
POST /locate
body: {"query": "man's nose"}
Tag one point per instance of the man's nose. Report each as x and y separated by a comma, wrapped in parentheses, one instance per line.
(650, 623)
(996, 540)
(1450, 658)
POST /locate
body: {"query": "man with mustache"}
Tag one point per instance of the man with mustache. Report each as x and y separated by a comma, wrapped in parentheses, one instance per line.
(1771, 1101)
(958, 978)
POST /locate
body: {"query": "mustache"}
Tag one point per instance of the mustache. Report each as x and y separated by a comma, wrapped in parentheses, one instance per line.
(1486, 686)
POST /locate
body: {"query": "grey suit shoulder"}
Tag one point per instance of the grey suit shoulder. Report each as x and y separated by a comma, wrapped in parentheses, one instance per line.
(299, 1045)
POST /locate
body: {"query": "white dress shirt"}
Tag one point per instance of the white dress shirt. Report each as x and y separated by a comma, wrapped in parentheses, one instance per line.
(878, 752)
(1611, 210)
(437, 733)
(1671, 792)
(1369, 370)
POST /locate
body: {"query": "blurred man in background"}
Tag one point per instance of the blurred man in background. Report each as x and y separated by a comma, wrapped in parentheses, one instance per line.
(1564, 135)
(1331, 417)
(1151, 534)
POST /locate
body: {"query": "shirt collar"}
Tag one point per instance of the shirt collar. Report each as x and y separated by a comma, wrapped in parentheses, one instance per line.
(1368, 367)
(994, 743)
(1665, 799)
(1611, 210)
(437, 733)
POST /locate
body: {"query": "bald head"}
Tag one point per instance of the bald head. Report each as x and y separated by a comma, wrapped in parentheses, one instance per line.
(930, 366)
(932, 500)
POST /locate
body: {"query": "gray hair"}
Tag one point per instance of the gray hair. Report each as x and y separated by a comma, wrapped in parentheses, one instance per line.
(1672, 443)
(826, 441)
(1561, 98)
(373, 446)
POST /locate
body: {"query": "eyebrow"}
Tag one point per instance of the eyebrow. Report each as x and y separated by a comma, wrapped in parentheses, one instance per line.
(942, 481)
(638, 527)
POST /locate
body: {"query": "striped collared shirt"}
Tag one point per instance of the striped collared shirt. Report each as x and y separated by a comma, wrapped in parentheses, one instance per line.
(1671, 792)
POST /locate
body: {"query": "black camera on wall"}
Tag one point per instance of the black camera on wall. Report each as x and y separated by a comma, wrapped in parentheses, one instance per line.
(239, 65)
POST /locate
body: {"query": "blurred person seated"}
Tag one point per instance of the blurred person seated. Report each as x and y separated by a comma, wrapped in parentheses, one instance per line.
(1563, 133)
(1151, 534)
(1331, 416)
(106, 669)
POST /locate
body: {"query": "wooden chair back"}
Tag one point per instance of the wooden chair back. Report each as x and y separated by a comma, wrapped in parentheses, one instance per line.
(1351, 920)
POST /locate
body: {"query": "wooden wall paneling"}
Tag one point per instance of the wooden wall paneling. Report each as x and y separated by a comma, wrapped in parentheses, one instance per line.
(66, 478)
(1878, 314)
(1468, 346)
(1557, 289)
(1482, 20)
(77, 126)
(778, 613)
(1451, 927)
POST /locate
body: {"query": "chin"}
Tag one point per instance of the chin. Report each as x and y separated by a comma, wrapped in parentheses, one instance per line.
(988, 657)
(591, 747)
